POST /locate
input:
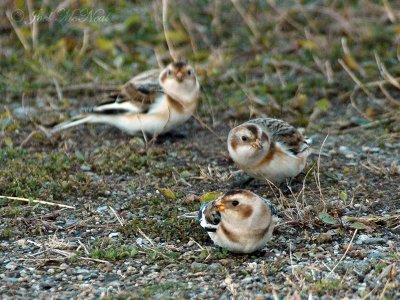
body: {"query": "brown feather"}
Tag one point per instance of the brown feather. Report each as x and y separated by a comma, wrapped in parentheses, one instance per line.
(281, 132)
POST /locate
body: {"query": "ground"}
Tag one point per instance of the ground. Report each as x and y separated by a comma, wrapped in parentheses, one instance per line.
(125, 229)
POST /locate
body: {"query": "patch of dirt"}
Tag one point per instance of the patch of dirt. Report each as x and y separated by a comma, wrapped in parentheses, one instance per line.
(128, 235)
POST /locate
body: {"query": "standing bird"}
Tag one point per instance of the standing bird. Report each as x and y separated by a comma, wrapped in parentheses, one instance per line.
(152, 102)
(269, 149)
(239, 221)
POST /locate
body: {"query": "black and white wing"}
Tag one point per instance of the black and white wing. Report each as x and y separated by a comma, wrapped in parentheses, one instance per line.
(135, 96)
(284, 133)
(273, 209)
(208, 217)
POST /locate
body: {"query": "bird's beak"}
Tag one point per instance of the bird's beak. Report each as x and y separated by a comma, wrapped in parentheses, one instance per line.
(219, 206)
(179, 76)
(257, 144)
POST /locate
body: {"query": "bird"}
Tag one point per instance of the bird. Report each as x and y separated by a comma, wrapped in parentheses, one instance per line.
(152, 102)
(269, 149)
(239, 221)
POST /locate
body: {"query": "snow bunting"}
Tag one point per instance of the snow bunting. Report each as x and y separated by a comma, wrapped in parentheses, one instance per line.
(239, 221)
(269, 149)
(153, 102)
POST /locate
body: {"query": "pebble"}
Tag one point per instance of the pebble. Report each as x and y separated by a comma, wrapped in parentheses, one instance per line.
(226, 261)
(215, 266)
(11, 266)
(101, 209)
(113, 234)
(371, 150)
(346, 152)
(247, 280)
(376, 254)
(195, 266)
(366, 240)
(82, 271)
(131, 270)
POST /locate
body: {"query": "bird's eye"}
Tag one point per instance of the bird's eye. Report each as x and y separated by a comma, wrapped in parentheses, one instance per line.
(235, 203)
(169, 73)
(189, 72)
(244, 138)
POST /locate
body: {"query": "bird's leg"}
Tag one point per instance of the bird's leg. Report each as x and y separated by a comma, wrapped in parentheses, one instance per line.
(287, 189)
(241, 182)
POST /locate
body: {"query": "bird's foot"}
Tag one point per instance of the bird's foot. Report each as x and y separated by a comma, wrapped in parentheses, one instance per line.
(241, 182)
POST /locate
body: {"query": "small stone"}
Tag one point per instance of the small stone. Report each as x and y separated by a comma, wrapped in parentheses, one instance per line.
(85, 168)
(226, 261)
(50, 271)
(21, 242)
(131, 270)
(190, 243)
(101, 209)
(247, 280)
(228, 280)
(113, 234)
(11, 266)
(46, 285)
(82, 271)
(63, 266)
(196, 267)
(79, 277)
(215, 266)
(366, 240)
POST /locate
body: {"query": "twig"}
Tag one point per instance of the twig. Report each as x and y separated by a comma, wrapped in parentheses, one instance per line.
(165, 24)
(96, 260)
(198, 119)
(37, 201)
(27, 139)
(370, 125)
(145, 236)
(34, 24)
(359, 85)
(384, 290)
(18, 31)
(248, 20)
(384, 72)
(318, 165)
(120, 220)
(344, 255)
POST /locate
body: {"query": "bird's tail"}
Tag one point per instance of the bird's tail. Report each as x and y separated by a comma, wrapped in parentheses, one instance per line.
(75, 121)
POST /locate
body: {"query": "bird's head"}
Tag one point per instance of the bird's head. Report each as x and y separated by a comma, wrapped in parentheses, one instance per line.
(248, 142)
(179, 80)
(241, 207)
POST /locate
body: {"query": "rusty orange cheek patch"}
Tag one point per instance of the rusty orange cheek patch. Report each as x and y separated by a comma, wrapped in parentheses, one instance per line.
(230, 235)
(246, 211)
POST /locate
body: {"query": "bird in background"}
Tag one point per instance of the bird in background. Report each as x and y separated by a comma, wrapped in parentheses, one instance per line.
(239, 221)
(152, 102)
(268, 149)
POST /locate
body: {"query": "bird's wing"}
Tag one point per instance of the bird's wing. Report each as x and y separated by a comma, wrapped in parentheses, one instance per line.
(135, 96)
(273, 209)
(208, 217)
(284, 133)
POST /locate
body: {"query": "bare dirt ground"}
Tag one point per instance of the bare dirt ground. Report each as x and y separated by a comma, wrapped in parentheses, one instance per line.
(128, 237)
(115, 222)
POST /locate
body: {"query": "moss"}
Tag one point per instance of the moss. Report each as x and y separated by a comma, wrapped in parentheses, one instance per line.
(6, 234)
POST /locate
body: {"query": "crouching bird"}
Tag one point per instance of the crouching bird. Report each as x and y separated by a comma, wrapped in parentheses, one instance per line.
(268, 149)
(239, 221)
(152, 102)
